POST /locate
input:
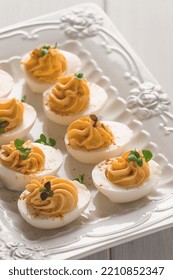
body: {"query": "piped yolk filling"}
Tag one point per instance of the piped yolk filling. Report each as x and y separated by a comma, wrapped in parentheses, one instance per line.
(12, 158)
(69, 96)
(11, 114)
(86, 134)
(46, 67)
(124, 173)
(63, 200)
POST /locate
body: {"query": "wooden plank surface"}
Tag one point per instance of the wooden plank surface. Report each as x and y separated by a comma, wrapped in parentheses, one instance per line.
(158, 246)
(104, 255)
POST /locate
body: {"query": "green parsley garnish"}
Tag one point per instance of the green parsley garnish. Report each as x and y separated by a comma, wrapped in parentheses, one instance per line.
(147, 155)
(80, 178)
(3, 124)
(46, 191)
(44, 50)
(79, 76)
(25, 155)
(19, 146)
(42, 189)
(2, 130)
(43, 140)
(134, 156)
(23, 99)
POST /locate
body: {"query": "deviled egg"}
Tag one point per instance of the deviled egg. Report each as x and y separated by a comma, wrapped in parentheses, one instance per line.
(6, 83)
(71, 98)
(21, 162)
(53, 202)
(42, 67)
(90, 141)
(16, 119)
(128, 177)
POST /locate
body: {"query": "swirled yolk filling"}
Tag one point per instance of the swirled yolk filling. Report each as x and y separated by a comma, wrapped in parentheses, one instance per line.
(46, 64)
(11, 114)
(87, 134)
(61, 198)
(69, 96)
(125, 173)
(29, 159)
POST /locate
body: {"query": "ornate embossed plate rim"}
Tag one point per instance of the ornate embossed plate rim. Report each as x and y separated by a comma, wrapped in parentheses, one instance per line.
(160, 106)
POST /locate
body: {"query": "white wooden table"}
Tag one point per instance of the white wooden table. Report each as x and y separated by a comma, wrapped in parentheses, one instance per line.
(147, 25)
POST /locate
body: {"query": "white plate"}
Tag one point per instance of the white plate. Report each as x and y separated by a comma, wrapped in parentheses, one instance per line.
(138, 101)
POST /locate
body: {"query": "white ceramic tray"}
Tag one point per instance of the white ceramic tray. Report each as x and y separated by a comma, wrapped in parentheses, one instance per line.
(135, 98)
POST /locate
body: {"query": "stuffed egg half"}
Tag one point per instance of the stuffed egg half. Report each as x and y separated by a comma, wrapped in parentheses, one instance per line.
(122, 180)
(53, 202)
(21, 162)
(16, 119)
(71, 98)
(90, 141)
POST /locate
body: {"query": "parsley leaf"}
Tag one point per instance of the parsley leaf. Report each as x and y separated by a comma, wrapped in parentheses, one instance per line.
(18, 143)
(3, 124)
(43, 140)
(44, 50)
(2, 130)
(135, 153)
(139, 162)
(79, 76)
(24, 156)
(52, 142)
(134, 156)
(80, 178)
(24, 151)
(147, 155)
(23, 99)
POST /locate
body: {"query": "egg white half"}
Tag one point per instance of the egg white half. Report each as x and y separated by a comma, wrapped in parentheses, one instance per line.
(98, 98)
(17, 181)
(122, 137)
(44, 222)
(121, 194)
(6, 84)
(37, 86)
(29, 117)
